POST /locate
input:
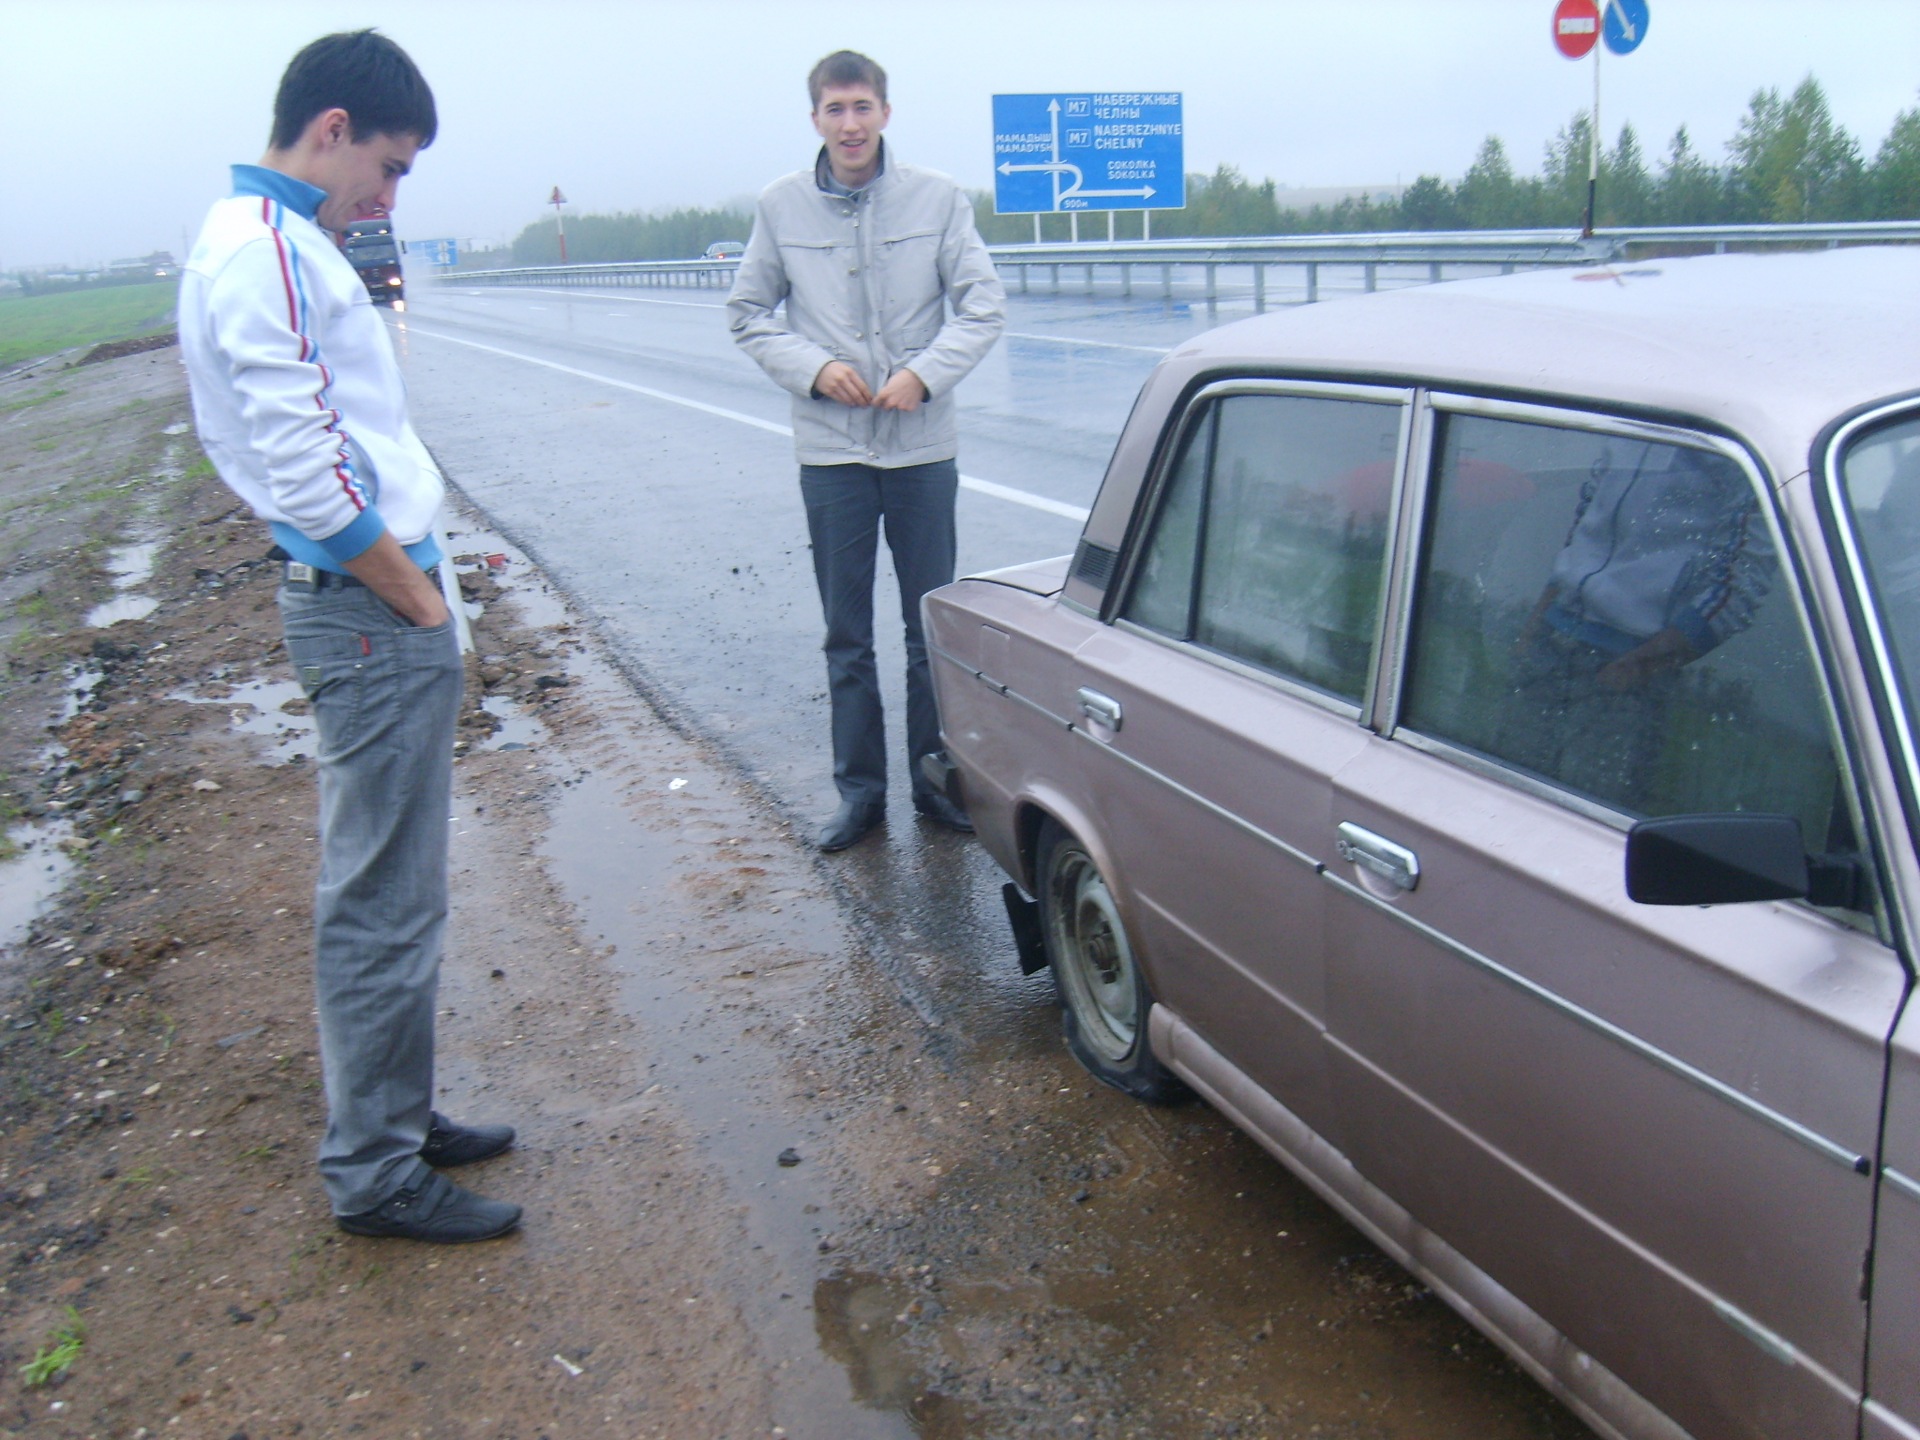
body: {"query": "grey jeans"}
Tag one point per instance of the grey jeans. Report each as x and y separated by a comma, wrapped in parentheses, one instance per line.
(385, 698)
(847, 505)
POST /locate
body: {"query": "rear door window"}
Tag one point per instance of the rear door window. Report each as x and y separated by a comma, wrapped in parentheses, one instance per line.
(1270, 538)
(1606, 612)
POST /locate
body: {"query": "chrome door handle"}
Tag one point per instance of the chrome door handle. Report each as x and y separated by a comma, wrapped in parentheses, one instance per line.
(1103, 708)
(1395, 864)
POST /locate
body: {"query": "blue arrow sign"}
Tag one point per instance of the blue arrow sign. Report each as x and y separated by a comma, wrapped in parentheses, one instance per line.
(1122, 150)
(1624, 25)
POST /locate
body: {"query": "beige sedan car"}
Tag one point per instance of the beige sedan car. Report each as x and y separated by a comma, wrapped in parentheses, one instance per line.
(1473, 746)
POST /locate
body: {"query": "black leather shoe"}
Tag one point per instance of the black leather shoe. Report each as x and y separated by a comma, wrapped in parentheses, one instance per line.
(436, 1211)
(942, 811)
(449, 1144)
(850, 822)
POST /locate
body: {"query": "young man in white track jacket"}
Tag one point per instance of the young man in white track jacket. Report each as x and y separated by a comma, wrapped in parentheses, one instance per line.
(300, 406)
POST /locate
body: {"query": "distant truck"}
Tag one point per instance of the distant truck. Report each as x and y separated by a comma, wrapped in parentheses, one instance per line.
(371, 248)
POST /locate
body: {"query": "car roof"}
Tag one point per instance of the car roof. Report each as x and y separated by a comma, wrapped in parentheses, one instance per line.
(1769, 347)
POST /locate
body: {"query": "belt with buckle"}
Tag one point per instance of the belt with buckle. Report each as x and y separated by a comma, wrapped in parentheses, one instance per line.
(311, 577)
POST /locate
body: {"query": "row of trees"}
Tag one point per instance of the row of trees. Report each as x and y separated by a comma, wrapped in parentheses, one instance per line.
(605, 239)
(1789, 160)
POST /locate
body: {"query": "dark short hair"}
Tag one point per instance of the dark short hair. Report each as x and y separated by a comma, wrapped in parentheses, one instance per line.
(363, 73)
(846, 67)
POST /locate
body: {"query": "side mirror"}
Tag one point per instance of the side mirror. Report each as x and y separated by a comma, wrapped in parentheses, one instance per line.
(1733, 859)
(1716, 860)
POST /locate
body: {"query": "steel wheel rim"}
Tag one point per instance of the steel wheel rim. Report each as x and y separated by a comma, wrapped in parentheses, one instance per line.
(1096, 961)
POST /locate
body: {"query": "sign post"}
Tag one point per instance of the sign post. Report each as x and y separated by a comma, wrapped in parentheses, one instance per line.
(1065, 153)
(1577, 28)
(556, 200)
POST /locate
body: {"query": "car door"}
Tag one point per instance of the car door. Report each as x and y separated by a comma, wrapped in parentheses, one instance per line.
(1874, 494)
(1893, 1377)
(1225, 694)
(1653, 1126)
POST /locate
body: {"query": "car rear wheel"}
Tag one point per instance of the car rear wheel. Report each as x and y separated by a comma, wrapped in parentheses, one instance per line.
(1104, 998)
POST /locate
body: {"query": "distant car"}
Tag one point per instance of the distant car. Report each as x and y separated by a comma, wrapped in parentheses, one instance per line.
(1476, 746)
(726, 250)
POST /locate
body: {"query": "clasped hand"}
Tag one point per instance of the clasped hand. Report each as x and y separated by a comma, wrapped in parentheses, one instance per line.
(840, 382)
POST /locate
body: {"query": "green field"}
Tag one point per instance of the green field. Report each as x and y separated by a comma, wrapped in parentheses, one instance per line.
(36, 325)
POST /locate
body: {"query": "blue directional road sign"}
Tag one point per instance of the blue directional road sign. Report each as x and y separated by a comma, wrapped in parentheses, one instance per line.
(1119, 151)
(435, 252)
(1624, 25)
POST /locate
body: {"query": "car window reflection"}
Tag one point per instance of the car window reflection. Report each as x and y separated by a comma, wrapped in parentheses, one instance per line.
(1606, 613)
(1270, 544)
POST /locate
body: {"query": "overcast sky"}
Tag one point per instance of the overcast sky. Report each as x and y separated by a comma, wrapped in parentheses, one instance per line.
(118, 117)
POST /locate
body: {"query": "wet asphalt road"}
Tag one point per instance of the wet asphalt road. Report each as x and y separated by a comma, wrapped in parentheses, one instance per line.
(620, 439)
(624, 440)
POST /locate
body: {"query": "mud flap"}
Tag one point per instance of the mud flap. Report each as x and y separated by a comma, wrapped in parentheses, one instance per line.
(941, 773)
(1024, 916)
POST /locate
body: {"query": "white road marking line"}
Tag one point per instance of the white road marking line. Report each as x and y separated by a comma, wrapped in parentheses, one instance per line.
(1096, 344)
(596, 295)
(998, 491)
(696, 305)
(645, 390)
(1076, 513)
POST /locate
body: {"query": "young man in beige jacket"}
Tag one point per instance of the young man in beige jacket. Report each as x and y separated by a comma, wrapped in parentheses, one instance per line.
(890, 300)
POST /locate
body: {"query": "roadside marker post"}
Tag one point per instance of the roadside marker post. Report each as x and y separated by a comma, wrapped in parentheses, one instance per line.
(556, 200)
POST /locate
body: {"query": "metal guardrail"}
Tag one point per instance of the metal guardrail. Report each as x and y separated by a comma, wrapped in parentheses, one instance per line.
(1405, 256)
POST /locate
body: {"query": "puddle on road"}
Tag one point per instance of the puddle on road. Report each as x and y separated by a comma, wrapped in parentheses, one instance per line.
(518, 730)
(38, 867)
(129, 565)
(125, 607)
(82, 681)
(274, 710)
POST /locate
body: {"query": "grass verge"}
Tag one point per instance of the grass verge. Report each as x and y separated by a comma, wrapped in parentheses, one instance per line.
(35, 325)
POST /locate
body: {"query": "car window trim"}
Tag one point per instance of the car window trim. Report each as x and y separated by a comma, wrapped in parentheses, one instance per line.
(1233, 664)
(1792, 579)
(1381, 712)
(1840, 517)
(1888, 725)
(1200, 407)
(1203, 522)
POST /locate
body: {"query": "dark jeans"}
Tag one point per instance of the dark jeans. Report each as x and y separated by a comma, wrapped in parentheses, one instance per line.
(846, 507)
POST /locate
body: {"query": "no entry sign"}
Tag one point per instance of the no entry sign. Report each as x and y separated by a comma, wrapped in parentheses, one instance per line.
(1576, 27)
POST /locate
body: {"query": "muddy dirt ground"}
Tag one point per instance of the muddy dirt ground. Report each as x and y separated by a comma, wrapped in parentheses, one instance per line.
(764, 1198)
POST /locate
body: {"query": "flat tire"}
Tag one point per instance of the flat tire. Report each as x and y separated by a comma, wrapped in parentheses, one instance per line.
(1104, 999)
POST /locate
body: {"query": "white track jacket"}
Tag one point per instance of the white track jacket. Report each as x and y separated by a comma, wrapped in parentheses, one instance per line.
(296, 394)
